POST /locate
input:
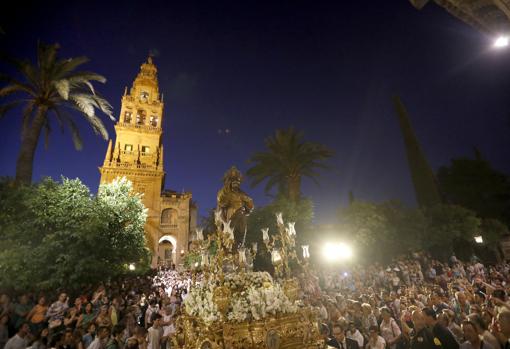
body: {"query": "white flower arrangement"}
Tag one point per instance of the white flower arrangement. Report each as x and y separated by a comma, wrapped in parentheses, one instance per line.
(254, 297)
(199, 302)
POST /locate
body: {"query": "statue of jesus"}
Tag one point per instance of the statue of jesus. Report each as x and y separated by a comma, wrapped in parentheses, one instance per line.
(234, 204)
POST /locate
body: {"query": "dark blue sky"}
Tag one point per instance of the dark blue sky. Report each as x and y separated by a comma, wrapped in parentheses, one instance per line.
(327, 68)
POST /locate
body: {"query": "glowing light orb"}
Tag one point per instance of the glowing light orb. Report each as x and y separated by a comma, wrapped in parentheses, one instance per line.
(336, 251)
(501, 41)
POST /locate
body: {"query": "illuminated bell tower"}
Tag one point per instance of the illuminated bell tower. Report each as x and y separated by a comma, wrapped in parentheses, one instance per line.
(137, 153)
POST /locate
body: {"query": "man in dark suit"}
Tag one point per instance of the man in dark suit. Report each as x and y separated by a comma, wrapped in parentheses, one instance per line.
(340, 341)
(423, 338)
(444, 335)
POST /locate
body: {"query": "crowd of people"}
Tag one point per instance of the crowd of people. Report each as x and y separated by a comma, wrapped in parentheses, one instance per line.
(415, 302)
(134, 313)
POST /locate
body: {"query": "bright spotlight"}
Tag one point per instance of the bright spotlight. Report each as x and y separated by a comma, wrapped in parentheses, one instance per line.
(132, 266)
(479, 239)
(501, 41)
(336, 251)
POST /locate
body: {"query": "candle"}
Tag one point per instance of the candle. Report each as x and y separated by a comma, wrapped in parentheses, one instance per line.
(242, 256)
(227, 229)
(291, 230)
(200, 234)
(205, 259)
(217, 216)
(265, 234)
(276, 257)
(279, 218)
(306, 253)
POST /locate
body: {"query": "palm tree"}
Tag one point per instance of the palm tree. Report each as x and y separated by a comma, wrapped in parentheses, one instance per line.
(51, 87)
(288, 158)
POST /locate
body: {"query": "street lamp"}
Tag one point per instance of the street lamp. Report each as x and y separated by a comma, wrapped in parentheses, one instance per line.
(132, 266)
(479, 239)
(336, 251)
(501, 41)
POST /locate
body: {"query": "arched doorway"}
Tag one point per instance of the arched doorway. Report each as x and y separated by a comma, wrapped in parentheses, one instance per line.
(166, 250)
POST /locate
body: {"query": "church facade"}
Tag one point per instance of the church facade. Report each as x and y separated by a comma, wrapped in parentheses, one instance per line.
(137, 154)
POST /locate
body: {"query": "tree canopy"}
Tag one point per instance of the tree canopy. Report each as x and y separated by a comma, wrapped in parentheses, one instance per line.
(475, 184)
(383, 230)
(57, 235)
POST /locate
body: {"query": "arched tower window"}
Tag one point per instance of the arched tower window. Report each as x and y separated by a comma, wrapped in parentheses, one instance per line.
(153, 121)
(169, 216)
(127, 117)
(140, 117)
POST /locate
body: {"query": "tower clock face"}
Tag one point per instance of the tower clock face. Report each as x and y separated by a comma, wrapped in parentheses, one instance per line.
(144, 95)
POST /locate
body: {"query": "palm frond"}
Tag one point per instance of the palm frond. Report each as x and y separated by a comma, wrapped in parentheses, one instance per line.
(63, 87)
(84, 102)
(4, 108)
(68, 65)
(104, 106)
(86, 75)
(64, 117)
(96, 123)
(16, 86)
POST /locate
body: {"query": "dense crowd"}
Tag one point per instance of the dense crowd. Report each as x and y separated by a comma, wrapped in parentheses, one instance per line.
(415, 302)
(133, 313)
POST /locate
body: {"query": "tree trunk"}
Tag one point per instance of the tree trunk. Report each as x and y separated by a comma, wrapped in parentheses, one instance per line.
(294, 187)
(29, 141)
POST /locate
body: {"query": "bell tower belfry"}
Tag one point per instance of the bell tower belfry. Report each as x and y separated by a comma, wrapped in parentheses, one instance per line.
(137, 154)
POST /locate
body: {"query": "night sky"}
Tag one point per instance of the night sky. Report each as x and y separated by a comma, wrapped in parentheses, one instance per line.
(328, 68)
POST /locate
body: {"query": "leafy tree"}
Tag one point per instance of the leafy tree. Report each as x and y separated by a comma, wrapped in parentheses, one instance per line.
(474, 184)
(60, 235)
(448, 224)
(300, 212)
(383, 230)
(492, 231)
(287, 159)
(51, 87)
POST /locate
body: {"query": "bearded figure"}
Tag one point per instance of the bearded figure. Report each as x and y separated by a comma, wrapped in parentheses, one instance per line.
(234, 204)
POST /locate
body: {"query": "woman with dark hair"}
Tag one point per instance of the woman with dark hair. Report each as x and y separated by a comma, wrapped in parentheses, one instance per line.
(375, 341)
(86, 317)
(4, 330)
(103, 319)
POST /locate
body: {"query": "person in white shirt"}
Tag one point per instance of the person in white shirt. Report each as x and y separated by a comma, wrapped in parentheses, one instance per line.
(374, 340)
(20, 340)
(102, 337)
(355, 334)
(155, 333)
(167, 322)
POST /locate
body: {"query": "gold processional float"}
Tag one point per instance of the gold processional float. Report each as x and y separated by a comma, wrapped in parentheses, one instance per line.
(231, 306)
